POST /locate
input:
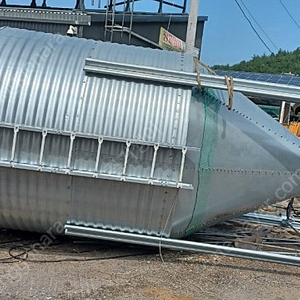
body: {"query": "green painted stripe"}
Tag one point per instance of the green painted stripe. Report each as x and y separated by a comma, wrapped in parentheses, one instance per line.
(209, 139)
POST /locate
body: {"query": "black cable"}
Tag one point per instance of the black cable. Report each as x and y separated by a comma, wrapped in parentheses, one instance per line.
(23, 256)
(249, 21)
(23, 253)
(258, 24)
(10, 242)
(295, 229)
(26, 251)
(289, 208)
(5, 259)
(84, 259)
(288, 12)
(8, 259)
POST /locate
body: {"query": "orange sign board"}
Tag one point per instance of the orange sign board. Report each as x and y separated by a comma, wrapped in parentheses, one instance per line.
(169, 41)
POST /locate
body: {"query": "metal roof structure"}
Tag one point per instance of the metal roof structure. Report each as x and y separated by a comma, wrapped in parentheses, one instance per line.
(110, 4)
(288, 79)
(119, 22)
(134, 28)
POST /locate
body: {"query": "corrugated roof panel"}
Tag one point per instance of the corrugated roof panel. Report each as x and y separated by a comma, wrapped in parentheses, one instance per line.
(28, 204)
(158, 113)
(122, 206)
(36, 26)
(55, 65)
(45, 72)
(45, 15)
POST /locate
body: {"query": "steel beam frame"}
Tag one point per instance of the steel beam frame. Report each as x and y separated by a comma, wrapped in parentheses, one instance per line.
(38, 166)
(95, 137)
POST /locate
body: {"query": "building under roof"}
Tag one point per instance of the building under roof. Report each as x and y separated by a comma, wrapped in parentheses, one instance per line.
(116, 22)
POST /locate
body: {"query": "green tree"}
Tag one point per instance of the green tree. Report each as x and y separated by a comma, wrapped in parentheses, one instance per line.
(281, 62)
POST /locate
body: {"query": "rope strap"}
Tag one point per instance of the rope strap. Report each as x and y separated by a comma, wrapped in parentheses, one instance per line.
(196, 61)
(211, 71)
(230, 86)
(228, 80)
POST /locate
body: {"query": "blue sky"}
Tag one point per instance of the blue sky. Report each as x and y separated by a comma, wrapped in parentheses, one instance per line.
(228, 37)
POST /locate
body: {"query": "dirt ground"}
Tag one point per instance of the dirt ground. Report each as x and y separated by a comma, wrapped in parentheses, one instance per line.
(72, 269)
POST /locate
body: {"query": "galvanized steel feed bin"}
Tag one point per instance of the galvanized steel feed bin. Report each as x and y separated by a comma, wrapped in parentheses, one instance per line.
(86, 138)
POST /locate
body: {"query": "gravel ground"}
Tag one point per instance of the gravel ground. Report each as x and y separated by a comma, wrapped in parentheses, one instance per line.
(62, 270)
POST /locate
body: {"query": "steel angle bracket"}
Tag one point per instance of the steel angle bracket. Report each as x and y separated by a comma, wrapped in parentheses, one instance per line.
(247, 87)
(182, 245)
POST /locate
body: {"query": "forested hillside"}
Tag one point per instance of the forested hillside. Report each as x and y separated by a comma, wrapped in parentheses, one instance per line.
(282, 62)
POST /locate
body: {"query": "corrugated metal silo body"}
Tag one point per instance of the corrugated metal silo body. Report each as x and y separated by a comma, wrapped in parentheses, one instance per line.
(137, 155)
(80, 146)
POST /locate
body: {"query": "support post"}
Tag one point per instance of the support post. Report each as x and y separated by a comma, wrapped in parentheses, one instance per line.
(80, 5)
(184, 7)
(282, 112)
(127, 7)
(192, 26)
(160, 6)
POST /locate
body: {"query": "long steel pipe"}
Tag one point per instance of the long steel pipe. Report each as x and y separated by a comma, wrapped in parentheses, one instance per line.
(247, 87)
(175, 244)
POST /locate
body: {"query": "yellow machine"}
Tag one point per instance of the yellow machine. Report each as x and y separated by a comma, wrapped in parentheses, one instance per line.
(294, 127)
